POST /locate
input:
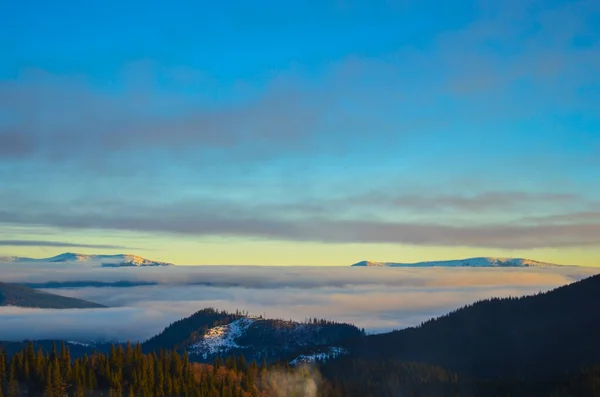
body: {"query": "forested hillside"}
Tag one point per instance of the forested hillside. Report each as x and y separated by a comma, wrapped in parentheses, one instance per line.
(190, 329)
(539, 335)
(126, 371)
(209, 333)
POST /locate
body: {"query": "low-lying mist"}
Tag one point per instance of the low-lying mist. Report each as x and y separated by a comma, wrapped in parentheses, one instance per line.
(378, 299)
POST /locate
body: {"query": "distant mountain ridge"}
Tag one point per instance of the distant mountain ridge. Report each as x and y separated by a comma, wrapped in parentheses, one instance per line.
(118, 260)
(468, 262)
(22, 296)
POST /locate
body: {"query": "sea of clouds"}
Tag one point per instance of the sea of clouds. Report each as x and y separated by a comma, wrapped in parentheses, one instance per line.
(378, 299)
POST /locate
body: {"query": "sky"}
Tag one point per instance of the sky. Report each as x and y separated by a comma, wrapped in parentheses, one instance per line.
(301, 132)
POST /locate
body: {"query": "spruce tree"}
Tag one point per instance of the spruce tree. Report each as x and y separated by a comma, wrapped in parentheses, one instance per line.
(65, 362)
(49, 387)
(39, 365)
(57, 381)
(2, 368)
(13, 385)
(53, 354)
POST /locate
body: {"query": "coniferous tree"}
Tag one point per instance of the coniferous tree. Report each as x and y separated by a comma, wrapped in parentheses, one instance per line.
(13, 385)
(65, 362)
(49, 386)
(53, 354)
(166, 373)
(2, 368)
(57, 380)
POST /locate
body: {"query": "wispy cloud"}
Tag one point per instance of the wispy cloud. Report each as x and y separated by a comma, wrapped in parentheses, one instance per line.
(66, 117)
(477, 202)
(43, 243)
(246, 223)
(285, 115)
(588, 217)
(15, 145)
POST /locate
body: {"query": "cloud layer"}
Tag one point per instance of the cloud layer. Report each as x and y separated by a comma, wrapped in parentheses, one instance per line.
(377, 299)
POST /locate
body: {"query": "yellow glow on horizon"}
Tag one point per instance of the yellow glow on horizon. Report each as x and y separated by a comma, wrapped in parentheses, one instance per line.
(186, 250)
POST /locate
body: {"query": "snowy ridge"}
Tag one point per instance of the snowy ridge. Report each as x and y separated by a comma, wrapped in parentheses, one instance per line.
(322, 356)
(75, 343)
(8, 259)
(120, 260)
(222, 338)
(469, 262)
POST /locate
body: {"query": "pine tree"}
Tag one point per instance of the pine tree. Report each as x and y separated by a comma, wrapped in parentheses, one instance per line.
(2, 368)
(49, 387)
(65, 362)
(216, 365)
(90, 378)
(13, 385)
(57, 381)
(128, 354)
(39, 365)
(53, 354)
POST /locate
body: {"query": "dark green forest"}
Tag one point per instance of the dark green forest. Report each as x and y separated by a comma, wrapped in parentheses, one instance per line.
(127, 371)
(541, 335)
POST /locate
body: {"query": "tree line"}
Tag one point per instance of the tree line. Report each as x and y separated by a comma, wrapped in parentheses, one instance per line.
(126, 371)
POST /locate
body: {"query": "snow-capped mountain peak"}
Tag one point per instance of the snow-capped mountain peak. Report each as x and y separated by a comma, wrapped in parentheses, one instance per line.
(119, 260)
(469, 262)
(69, 257)
(127, 260)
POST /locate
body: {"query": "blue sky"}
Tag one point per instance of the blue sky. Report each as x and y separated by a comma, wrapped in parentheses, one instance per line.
(301, 132)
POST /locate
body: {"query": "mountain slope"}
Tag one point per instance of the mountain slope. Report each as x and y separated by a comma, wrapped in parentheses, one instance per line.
(209, 333)
(541, 335)
(18, 295)
(469, 262)
(119, 260)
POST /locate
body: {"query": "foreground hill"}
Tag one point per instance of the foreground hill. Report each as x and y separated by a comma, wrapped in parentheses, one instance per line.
(537, 335)
(18, 295)
(119, 260)
(469, 262)
(208, 334)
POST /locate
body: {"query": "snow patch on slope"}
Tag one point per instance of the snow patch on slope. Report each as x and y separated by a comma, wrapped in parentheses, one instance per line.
(75, 343)
(222, 338)
(322, 356)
